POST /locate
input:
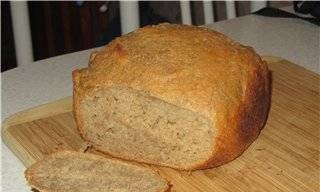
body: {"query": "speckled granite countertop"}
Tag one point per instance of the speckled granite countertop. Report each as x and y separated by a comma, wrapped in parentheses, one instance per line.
(47, 80)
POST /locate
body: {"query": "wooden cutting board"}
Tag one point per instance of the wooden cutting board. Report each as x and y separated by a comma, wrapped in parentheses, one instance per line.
(285, 157)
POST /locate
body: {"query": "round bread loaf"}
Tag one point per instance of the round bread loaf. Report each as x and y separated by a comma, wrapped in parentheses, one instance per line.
(180, 96)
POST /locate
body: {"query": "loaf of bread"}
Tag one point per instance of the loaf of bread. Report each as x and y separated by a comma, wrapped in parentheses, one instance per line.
(180, 96)
(68, 171)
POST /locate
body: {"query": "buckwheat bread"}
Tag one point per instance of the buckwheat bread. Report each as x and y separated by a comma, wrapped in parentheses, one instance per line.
(68, 171)
(180, 96)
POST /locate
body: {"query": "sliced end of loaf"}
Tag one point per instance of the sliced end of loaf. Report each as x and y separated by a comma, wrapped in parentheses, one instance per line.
(131, 124)
(69, 171)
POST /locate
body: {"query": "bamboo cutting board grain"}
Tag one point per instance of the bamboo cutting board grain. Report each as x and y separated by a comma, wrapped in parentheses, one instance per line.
(285, 157)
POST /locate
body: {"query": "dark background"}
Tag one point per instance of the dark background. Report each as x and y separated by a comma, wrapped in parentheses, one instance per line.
(62, 27)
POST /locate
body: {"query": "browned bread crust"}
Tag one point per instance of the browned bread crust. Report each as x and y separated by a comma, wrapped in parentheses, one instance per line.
(191, 67)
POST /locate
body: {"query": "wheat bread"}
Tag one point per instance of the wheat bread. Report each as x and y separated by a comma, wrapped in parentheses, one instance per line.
(180, 96)
(70, 171)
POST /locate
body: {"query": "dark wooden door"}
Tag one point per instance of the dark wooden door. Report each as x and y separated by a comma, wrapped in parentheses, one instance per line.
(59, 27)
(8, 56)
(63, 27)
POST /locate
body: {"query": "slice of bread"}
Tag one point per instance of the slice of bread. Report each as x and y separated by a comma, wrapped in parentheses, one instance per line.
(69, 171)
(180, 96)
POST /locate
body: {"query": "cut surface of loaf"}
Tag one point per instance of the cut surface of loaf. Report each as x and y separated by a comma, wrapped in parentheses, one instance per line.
(69, 171)
(132, 119)
(179, 96)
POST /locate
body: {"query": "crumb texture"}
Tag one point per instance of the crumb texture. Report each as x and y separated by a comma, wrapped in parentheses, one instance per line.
(77, 172)
(121, 120)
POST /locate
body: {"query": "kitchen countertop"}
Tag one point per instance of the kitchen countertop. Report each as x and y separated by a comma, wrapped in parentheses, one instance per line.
(50, 79)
